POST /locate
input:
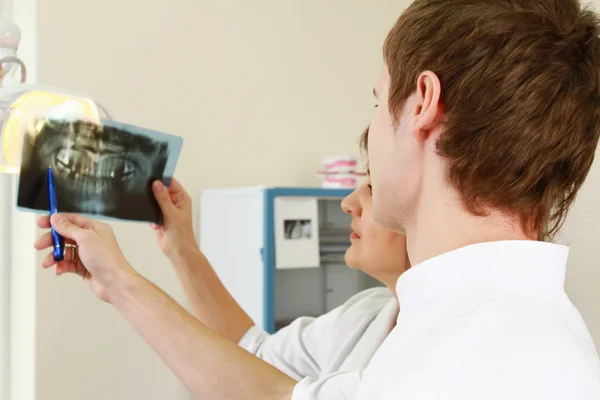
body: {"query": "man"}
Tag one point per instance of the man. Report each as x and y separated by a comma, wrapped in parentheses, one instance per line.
(488, 120)
(486, 128)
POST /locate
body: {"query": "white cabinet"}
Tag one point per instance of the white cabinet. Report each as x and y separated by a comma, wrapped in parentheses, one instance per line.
(280, 251)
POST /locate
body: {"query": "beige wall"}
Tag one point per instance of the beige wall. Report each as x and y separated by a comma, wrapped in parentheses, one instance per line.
(261, 91)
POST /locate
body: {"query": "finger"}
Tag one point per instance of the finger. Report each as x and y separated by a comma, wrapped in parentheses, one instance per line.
(45, 241)
(64, 267)
(69, 267)
(80, 221)
(70, 230)
(163, 197)
(48, 260)
(44, 221)
(176, 187)
(178, 193)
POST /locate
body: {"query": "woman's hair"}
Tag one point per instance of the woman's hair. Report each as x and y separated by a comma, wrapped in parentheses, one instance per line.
(364, 142)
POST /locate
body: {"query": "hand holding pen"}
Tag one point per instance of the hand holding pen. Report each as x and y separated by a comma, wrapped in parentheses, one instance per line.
(94, 252)
(58, 242)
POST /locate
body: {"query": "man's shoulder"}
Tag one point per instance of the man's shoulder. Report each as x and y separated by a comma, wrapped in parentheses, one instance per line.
(529, 345)
(533, 319)
(511, 345)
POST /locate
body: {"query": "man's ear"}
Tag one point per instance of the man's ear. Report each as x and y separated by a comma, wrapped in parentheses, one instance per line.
(428, 108)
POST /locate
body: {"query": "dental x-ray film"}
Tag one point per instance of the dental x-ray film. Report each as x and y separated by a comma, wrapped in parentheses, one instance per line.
(101, 168)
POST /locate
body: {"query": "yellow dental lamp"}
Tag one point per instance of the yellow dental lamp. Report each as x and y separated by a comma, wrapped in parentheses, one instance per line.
(23, 106)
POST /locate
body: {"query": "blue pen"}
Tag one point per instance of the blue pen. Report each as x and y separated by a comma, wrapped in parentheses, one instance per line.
(57, 240)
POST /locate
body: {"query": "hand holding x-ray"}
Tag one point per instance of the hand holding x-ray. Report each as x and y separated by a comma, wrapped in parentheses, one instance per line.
(176, 235)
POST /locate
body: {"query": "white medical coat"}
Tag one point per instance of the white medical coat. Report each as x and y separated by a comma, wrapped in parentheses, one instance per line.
(486, 322)
(327, 354)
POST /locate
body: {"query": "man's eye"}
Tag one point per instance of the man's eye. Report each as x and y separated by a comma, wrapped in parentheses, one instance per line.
(370, 187)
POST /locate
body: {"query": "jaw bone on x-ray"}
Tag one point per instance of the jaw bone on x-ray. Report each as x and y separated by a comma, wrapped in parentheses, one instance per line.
(100, 169)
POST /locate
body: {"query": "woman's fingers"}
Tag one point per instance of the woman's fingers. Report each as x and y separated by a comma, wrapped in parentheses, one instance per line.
(176, 187)
(163, 197)
(43, 221)
(63, 266)
(45, 241)
(82, 222)
(48, 260)
(69, 267)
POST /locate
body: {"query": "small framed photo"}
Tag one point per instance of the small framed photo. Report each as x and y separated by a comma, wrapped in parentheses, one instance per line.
(296, 232)
(297, 229)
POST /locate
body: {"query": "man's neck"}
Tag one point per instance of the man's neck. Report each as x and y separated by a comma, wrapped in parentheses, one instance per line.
(443, 225)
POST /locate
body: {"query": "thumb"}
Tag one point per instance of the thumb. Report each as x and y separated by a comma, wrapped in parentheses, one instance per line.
(64, 227)
(163, 198)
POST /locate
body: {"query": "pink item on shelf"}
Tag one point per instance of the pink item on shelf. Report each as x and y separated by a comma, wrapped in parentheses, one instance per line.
(340, 163)
(340, 172)
(340, 181)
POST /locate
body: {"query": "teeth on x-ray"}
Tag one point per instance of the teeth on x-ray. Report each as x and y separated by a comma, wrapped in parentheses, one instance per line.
(99, 168)
(79, 164)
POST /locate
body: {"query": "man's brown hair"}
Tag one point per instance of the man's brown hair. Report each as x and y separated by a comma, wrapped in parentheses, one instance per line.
(521, 90)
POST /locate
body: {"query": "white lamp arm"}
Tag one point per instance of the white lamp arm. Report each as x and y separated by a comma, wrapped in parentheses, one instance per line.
(10, 37)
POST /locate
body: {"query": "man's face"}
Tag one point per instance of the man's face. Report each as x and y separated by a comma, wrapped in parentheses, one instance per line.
(394, 160)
